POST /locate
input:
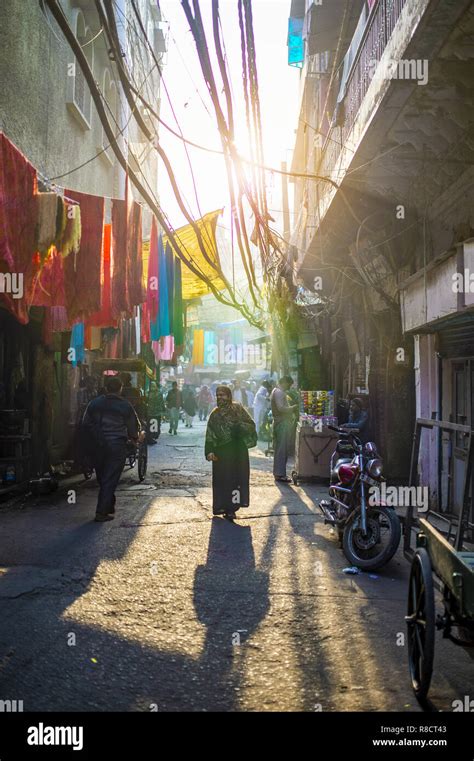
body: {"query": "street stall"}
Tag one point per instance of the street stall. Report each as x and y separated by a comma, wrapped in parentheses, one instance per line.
(314, 441)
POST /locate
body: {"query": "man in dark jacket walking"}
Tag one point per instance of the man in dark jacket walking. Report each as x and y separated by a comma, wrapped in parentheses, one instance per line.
(109, 421)
(174, 402)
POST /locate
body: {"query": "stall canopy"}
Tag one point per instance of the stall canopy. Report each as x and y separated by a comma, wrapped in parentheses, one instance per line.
(190, 250)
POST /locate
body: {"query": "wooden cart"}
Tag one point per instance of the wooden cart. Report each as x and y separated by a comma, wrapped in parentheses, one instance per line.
(443, 559)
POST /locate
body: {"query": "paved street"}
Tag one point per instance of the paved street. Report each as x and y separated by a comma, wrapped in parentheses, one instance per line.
(146, 612)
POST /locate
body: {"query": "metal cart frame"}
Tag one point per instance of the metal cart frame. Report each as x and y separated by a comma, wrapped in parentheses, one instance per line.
(440, 560)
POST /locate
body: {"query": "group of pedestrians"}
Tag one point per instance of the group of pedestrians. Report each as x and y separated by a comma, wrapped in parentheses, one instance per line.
(111, 420)
(189, 402)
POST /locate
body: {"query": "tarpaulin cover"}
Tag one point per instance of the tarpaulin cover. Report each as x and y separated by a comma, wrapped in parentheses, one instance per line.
(192, 285)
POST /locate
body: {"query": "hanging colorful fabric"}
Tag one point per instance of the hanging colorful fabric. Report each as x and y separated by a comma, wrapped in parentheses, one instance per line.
(17, 227)
(103, 318)
(120, 259)
(48, 285)
(163, 349)
(134, 243)
(170, 277)
(77, 344)
(198, 348)
(46, 221)
(161, 326)
(82, 271)
(71, 237)
(152, 280)
(145, 330)
(178, 313)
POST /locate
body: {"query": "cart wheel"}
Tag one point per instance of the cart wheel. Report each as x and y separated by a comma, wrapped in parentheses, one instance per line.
(142, 460)
(421, 623)
(294, 476)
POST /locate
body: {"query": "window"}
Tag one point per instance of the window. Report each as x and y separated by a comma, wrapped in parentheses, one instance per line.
(78, 95)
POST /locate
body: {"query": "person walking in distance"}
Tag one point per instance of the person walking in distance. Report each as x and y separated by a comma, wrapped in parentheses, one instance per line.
(261, 403)
(174, 402)
(109, 421)
(204, 402)
(282, 426)
(189, 405)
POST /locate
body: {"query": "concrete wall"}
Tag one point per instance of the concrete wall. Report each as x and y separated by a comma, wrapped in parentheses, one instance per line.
(423, 302)
(426, 390)
(34, 58)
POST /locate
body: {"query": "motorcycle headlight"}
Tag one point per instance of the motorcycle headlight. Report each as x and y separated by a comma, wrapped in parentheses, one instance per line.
(370, 450)
(375, 468)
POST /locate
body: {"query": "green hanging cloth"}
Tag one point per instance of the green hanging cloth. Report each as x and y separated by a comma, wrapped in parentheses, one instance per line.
(178, 313)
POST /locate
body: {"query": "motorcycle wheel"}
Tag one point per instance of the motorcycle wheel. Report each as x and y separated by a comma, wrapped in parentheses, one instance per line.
(365, 553)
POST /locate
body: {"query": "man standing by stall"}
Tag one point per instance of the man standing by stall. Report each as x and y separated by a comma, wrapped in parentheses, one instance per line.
(283, 416)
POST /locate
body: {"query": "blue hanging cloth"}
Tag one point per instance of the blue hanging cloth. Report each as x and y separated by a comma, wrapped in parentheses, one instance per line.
(77, 343)
(170, 276)
(161, 326)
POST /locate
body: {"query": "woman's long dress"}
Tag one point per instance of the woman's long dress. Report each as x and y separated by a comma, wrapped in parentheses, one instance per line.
(230, 432)
(230, 478)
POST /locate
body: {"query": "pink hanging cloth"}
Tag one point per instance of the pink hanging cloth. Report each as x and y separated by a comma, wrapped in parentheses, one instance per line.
(120, 301)
(163, 349)
(152, 283)
(135, 258)
(18, 186)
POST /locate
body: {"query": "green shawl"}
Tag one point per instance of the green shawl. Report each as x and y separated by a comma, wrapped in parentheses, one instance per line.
(228, 424)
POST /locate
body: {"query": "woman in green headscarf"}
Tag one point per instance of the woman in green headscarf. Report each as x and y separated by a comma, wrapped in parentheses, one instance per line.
(229, 435)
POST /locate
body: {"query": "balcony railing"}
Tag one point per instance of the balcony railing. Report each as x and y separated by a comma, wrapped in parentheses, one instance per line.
(379, 29)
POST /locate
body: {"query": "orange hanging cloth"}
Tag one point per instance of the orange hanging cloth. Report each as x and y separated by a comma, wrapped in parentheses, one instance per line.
(103, 318)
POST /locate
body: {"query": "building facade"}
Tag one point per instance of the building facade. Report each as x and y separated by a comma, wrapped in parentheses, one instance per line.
(386, 126)
(47, 112)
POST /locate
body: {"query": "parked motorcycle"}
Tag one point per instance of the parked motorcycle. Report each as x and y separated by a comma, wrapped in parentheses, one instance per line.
(369, 532)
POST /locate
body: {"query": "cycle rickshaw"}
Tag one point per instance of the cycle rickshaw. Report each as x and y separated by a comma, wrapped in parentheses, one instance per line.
(443, 559)
(141, 376)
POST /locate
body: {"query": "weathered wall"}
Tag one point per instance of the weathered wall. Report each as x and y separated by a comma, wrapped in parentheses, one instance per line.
(34, 58)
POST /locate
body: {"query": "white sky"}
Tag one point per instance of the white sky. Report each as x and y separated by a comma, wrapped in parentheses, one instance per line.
(279, 85)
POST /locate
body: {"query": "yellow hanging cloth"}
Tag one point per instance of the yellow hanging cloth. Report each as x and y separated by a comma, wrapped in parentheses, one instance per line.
(187, 241)
(198, 347)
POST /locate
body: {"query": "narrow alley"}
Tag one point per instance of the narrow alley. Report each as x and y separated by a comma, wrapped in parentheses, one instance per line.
(168, 609)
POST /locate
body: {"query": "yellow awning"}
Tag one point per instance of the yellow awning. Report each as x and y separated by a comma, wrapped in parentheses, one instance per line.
(190, 250)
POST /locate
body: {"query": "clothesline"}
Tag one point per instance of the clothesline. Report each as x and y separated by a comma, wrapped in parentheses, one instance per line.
(46, 181)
